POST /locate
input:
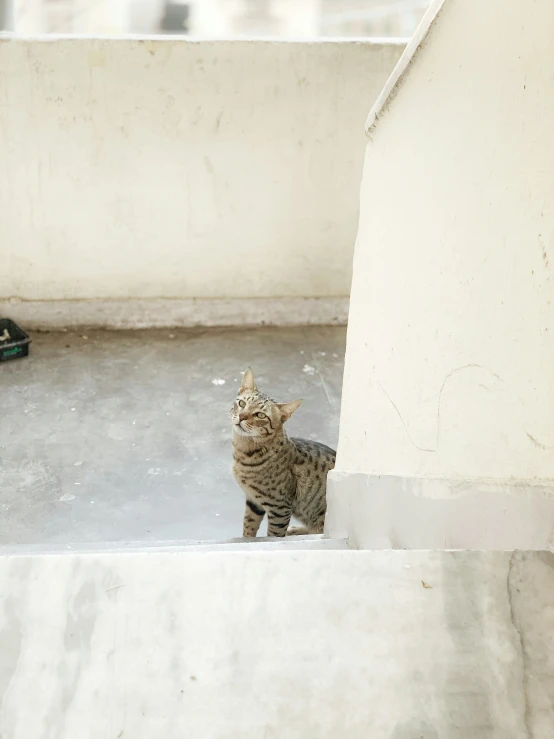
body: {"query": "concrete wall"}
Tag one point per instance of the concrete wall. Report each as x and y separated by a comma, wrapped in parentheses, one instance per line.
(164, 169)
(450, 354)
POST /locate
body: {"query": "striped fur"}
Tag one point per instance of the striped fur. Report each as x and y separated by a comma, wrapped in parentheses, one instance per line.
(280, 476)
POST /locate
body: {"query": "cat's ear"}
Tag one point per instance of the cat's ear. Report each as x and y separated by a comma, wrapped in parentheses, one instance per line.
(248, 383)
(287, 409)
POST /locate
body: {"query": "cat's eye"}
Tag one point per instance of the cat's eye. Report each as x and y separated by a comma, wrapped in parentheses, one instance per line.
(261, 415)
(242, 404)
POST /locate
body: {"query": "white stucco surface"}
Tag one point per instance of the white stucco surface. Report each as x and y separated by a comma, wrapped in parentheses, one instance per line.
(163, 169)
(243, 645)
(450, 354)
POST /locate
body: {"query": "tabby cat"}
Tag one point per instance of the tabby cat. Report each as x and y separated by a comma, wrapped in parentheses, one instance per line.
(280, 476)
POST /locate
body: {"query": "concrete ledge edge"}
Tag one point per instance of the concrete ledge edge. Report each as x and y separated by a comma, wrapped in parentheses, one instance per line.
(137, 313)
(397, 75)
(388, 512)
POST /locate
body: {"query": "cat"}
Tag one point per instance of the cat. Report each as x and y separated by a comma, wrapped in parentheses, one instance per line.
(280, 476)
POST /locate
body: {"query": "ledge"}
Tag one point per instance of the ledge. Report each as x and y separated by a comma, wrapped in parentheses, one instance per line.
(174, 313)
(387, 512)
(412, 49)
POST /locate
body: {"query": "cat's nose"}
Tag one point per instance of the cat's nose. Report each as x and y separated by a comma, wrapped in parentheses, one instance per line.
(243, 416)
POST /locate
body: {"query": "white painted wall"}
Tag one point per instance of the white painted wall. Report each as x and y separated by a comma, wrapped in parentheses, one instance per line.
(174, 169)
(447, 430)
(450, 360)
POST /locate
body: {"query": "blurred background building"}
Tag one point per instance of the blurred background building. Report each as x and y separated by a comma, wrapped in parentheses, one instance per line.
(215, 18)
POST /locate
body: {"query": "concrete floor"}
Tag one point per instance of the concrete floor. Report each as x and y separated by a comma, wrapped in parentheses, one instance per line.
(125, 436)
(301, 645)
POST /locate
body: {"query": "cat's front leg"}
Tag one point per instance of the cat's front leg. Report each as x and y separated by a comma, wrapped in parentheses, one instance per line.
(253, 516)
(278, 520)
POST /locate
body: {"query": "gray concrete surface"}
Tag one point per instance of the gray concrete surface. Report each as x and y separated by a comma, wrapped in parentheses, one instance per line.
(310, 543)
(125, 436)
(294, 645)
